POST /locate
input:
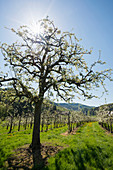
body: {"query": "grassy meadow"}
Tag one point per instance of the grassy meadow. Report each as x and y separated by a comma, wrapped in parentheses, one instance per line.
(90, 148)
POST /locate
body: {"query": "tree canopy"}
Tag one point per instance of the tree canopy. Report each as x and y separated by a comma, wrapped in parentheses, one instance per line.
(52, 60)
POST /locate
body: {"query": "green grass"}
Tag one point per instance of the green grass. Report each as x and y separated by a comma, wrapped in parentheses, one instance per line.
(9, 142)
(89, 149)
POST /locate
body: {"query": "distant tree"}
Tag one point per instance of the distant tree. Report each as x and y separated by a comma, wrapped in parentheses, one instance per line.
(105, 117)
(4, 103)
(69, 123)
(45, 62)
(2, 111)
(11, 111)
(7, 101)
(23, 108)
(20, 111)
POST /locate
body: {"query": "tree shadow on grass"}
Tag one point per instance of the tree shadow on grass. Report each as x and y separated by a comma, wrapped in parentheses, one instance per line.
(22, 158)
(80, 159)
(84, 158)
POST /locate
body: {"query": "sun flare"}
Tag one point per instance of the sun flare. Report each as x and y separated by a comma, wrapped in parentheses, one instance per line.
(35, 28)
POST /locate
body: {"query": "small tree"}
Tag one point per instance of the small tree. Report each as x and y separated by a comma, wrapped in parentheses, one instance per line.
(105, 117)
(3, 106)
(49, 61)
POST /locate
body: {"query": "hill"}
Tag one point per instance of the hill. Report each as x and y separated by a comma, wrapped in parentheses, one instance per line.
(94, 110)
(109, 106)
(75, 106)
(88, 110)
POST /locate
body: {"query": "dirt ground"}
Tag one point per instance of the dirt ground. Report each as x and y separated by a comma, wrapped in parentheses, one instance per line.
(22, 157)
(71, 133)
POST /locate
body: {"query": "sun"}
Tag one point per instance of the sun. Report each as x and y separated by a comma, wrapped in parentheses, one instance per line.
(35, 28)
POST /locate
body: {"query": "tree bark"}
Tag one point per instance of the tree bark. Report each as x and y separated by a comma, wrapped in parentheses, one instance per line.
(111, 127)
(11, 124)
(31, 123)
(55, 122)
(26, 122)
(108, 127)
(46, 126)
(7, 126)
(19, 123)
(69, 127)
(36, 145)
(51, 123)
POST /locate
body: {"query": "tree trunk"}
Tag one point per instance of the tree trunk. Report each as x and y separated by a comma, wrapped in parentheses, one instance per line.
(46, 127)
(26, 122)
(73, 126)
(19, 123)
(36, 145)
(69, 128)
(108, 127)
(7, 126)
(111, 127)
(51, 123)
(14, 125)
(31, 123)
(55, 122)
(47, 123)
(42, 125)
(11, 124)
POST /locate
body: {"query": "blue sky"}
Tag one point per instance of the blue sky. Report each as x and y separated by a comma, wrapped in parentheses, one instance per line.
(91, 20)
